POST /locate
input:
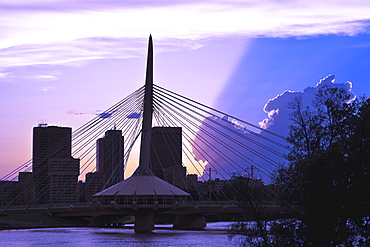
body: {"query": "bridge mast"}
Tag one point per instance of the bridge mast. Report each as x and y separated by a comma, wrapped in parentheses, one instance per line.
(144, 161)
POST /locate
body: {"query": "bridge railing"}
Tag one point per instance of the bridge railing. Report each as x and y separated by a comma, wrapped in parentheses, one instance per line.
(233, 202)
(212, 203)
(45, 206)
(89, 204)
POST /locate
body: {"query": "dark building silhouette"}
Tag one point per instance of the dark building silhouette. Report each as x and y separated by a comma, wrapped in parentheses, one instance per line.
(25, 181)
(55, 171)
(9, 192)
(110, 157)
(17, 192)
(93, 184)
(81, 191)
(166, 155)
(192, 181)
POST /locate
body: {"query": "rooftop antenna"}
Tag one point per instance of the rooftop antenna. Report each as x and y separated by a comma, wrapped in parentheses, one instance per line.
(42, 123)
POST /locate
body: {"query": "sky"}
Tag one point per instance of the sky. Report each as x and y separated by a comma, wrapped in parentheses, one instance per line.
(64, 61)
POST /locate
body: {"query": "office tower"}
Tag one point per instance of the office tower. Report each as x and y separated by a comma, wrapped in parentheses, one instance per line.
(166, 151)
(110, 157)
(55, 171)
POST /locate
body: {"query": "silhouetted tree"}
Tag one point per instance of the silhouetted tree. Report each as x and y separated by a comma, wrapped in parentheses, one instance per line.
(318, 126)
(328, 177)
(250, 194)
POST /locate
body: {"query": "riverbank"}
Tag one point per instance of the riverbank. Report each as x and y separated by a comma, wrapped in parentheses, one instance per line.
(32, 220)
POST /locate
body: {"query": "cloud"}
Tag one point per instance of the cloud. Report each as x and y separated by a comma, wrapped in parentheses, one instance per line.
(72, 52)
(278, 113)
(49, 5)
(106, 114)
(278, 110)
(228, 146)
(47, 88)
(77, 52)
(47, 77)
(44, 31)
(95, 113)
(134, 115)
(31, 73)
(3, 75)
(71, 112)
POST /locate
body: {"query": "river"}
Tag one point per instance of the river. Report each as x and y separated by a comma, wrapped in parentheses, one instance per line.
(214, 235)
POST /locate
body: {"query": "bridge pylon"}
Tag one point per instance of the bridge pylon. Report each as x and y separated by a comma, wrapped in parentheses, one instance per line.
(145, 192)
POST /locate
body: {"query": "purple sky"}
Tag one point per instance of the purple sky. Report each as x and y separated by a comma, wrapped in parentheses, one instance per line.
(66, 61)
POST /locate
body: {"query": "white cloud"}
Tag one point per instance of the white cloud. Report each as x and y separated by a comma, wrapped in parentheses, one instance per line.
(47, 88)
(3, 75)
(227, 145)
(46, 77)
(40, 73)
(67, 52)
(56, 24)
(278, 111)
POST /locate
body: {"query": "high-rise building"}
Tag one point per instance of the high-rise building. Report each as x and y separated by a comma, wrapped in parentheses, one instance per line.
(166, 155)
(55, 171)
(110, 157)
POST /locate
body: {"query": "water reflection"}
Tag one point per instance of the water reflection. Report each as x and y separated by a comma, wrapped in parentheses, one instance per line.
(214, 235)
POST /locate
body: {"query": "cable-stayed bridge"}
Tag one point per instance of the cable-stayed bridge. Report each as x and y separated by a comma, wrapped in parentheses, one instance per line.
(182, 141)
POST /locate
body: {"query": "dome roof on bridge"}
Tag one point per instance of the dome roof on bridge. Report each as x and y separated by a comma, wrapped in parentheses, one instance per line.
(142, 186)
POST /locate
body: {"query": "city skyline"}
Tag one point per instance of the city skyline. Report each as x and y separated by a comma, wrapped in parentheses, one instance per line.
(66, 61)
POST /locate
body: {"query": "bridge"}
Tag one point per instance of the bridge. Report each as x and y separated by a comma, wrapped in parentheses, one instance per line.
(190, 215)
(188, 138)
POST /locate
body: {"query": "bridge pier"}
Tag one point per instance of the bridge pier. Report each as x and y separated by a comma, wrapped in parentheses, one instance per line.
(189, 222)
(144, 223)
(94, 222)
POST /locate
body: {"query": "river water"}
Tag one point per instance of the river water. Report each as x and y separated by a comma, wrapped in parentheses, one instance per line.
(214, 235)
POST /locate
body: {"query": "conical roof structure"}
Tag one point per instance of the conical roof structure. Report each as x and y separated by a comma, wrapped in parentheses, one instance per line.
(143, 186)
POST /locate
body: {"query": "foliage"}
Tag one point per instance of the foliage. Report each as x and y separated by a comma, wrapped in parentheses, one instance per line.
(288, 232)
(328, 177)
(318, 127)
(249, 234)
(250, 194)
(327, 182)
